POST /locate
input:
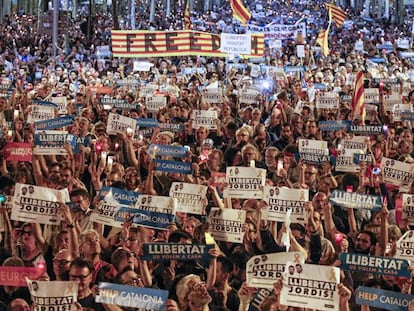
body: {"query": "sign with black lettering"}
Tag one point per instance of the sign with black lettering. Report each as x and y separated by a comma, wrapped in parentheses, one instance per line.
(226, 224)
(120, 124)
(205, 118)
(191, 198)
(397, 173)
(408, 208)
(405, 246)
(382, 299)
(244, 182)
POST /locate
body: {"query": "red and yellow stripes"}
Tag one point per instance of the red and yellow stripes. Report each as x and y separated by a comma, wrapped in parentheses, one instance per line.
(240, 12)
(187, 17)
(338, 15)
(358, 105)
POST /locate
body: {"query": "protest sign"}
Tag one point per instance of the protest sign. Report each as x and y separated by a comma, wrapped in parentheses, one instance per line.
(359, 157)
(382, 299)
(16, 276)
(61, 103)
(52, 142)
(118, 124)
(177, 167)
(116, 103)
(172, 127)
(131, 296)
(53, 296)
(154, 211)
(54, 123)
(155, 103)
(366, 129)
(100, 89)
(283, 200)
(327, 100)
(248, 96)
(148, 90)
(278, 31)
(407, 115)
(262, 271)
(235, 43)
(408, 208)
(205, 118)
(397, 173)
(191, 198)
(138, 44)
(310, 286)
(175, 251)
(371, 95)
(40, 113)
(142, 66)
(334, 125)
(405, 246)
(80, 141)
(19, 152)
(147, 122)
(37, 204)
(218, 180)
(212, 96)
(258, 298)
(103, 51)
(131, 83)
(355, 200)
(244, 182)
(356, 143)
(110, 200)
(375, 264)
(155, 150)
(226, 224)
(389, 101)
(313, 146)
(314, 159)
(345, 161)
(398, 109)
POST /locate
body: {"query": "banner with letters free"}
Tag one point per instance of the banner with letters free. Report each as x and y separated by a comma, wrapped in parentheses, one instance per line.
(356, 143)
(314, 159)
(175, 251)
(118, 124)
(263, 271)
(313, 146)
(281, 200)
(405, 246)
(244, 182)
(52, 142)
(366, 129)
(408, 208)
(375, 264)
(117, 103)
(226, 224)
(37, 204)
(190, 197)
(382, 299)
(53, 295)
(205, 118)
(355, 200)
(131, 296)
(397, 173)
(19, 152)
(147, 122)
(145, 43)
(310, 286)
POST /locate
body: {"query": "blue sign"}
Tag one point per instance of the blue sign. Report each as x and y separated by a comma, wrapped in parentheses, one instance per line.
(132, 296)
(152, 219)
(362, 158)
(319, 86)
(376, 265)
(407, 115)
(334, 125)
(167, 150)
(382, 299)
(53, 124)
(142, 122)
(377, 60)
(175, 251)
(172, 127)
(45, 103)
(355, 200)
(173, 166)
(123, 197)
(81, 141)
(55, 141)
(123, 213)
(117, 103)
(290, 69)
(366, 129)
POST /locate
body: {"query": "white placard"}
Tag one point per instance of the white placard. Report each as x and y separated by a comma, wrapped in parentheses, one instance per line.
(313, 146)
(190, 197)
(225, 224)
(327, 100)
(120, 124)
(148, 89)
(142, 66)
(37, 204)
(397, 173)
(345, 161)
(205, 118)
(408, 208)
(390, 101)
(61, 102)
(397, 109)
(300, 51)
(358, 143)
(405, 246)
(248, 96)
(213, 96)
(231, 43)
(40, 113)
(262, 271)
(310, 286)
(155, 103)
(281, 200)
(371, 95)
(244, 182)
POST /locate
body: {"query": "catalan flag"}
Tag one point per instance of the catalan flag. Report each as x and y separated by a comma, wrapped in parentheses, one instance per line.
(358, 105)
(240, 12)
(322, 40)
(187, 18)
(338, 15)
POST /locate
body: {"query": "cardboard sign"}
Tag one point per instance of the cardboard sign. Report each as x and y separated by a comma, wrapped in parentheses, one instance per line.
(226, 224)
(356, 200)
(190, 197)
(244, 182)
(397, 173)
(313, 146)
(405, 246)
(382, 299)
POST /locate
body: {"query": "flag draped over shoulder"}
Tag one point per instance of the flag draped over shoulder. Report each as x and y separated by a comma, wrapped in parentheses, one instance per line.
(358, 105)
(240, 12)
(187, 18)
(338, 15)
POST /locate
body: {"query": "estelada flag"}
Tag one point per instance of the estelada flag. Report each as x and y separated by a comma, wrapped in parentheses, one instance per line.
(240, 12)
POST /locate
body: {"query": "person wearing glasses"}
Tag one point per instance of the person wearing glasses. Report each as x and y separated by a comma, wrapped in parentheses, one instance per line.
(61, 263)
(81, 270)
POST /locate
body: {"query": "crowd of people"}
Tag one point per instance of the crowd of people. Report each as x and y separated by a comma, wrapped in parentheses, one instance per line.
(263, 134)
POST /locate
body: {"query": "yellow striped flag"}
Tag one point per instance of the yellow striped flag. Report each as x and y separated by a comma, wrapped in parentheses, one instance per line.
(338, 15)
(240, 12)
(358, 105)
(187, 18)
(322, 40)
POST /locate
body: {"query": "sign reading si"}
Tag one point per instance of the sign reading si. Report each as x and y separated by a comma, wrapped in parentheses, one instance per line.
(138, 44)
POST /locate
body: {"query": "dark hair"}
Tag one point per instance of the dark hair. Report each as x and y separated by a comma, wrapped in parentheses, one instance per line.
(239, 259)
(118, 277)
(79, 191)
(82, 263)
(350, 179)
(372, 236)
(177, 235)
(226, 264)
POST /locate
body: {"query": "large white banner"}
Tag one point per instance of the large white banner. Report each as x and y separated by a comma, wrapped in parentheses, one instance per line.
(282, 200)
(244, 182)
(310, 286)
(264, 270)
(226, 224)
(190, 197)
(37, 204)
(231, 43)
(53, 295)
(278, 31)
